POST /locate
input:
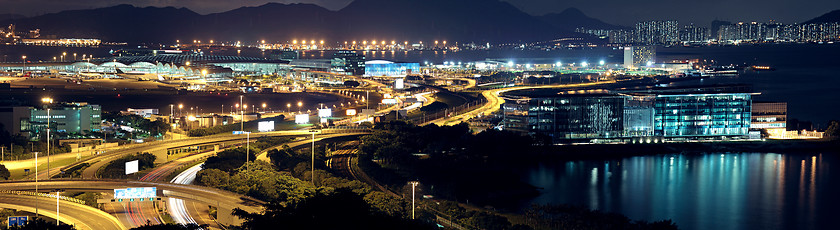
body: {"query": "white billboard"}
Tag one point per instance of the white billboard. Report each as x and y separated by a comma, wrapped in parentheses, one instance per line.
(350, 112)
(265, 126)
(399, 83)
(132, 167)
(325, 113)
(389, 101)
(368, 112)
(302, 119)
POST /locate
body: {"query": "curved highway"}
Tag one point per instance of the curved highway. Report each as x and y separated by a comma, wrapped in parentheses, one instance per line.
(186, 192)
(79, 215)
(103, 159)
(99, 162)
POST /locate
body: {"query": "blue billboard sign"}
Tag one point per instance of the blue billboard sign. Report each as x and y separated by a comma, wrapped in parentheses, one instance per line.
(131, 193)
(17, 221)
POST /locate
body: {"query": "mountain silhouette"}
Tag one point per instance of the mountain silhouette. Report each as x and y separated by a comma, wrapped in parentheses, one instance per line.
(833, 16)
(572, 18)
(405, 20)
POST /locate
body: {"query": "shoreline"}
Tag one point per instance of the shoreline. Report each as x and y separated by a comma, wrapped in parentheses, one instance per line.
(612, 151)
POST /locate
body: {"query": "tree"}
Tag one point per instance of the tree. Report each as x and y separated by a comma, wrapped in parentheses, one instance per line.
(285, 158)
(116, 169)
(833, 130)
(229, 160)
(485, 220)
(386, 204)
(4, 172)
(340, 209)
(5, 137)
(213, 178)
(260, 180)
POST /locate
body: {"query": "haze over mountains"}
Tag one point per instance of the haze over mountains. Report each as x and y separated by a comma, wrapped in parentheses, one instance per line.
(406, 20)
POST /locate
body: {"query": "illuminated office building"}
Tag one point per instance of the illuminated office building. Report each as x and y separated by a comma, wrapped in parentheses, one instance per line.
(71, 118)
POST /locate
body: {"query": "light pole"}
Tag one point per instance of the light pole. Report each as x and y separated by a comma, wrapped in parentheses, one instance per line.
(180, 106)
(413, 184)
(36, 184)
(299, 105)
(23, 71)
(242, 113)
(171, 113)
(247, 147)
(289, 108)
(57, 215)
(312, 174)
(48, 101)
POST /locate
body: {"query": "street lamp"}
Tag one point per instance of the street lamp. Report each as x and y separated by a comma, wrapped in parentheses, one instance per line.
(180, 106)
(247, 147)
(48, 101)
(299, 105)
(36, 183)
(312, 174)
(23, 71)
(57, 215)
(413, 185)
(289, 108)
(242, 113)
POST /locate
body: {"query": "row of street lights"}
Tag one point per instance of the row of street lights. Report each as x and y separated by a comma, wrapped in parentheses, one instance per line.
(48, 101)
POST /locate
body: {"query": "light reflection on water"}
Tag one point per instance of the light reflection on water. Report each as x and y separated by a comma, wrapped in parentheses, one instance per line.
(708, 191)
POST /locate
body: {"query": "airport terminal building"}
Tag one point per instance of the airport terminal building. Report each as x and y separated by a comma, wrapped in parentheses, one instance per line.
(207, 68)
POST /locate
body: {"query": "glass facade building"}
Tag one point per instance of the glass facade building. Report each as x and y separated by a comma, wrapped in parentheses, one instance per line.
(387, 68)
(698, 115)
(71, 118)
(577, 117)
(658, 114)
(349, 62)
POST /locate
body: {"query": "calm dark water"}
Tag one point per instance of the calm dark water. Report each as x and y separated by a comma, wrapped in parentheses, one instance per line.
(807, 76)
(709, 191)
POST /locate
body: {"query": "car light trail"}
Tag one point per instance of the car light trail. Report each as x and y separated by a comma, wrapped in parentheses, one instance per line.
(177, 208)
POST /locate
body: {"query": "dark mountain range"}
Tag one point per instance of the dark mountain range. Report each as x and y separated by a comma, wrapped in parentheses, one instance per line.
(464, 20)
(572, 18)
(833, 16)
(4, 17)
(116, 23)
(272, 21)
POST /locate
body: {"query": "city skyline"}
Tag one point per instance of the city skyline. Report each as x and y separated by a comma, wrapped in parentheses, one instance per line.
(619, 13)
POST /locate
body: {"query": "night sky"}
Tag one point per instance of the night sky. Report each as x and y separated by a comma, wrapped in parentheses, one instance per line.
(621, 12)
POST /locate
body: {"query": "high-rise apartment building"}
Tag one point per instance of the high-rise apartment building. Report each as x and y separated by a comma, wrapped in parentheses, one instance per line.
(657, 32)
(639, 56)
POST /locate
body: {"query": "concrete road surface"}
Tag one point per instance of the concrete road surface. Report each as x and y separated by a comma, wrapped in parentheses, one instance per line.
(82, 216)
